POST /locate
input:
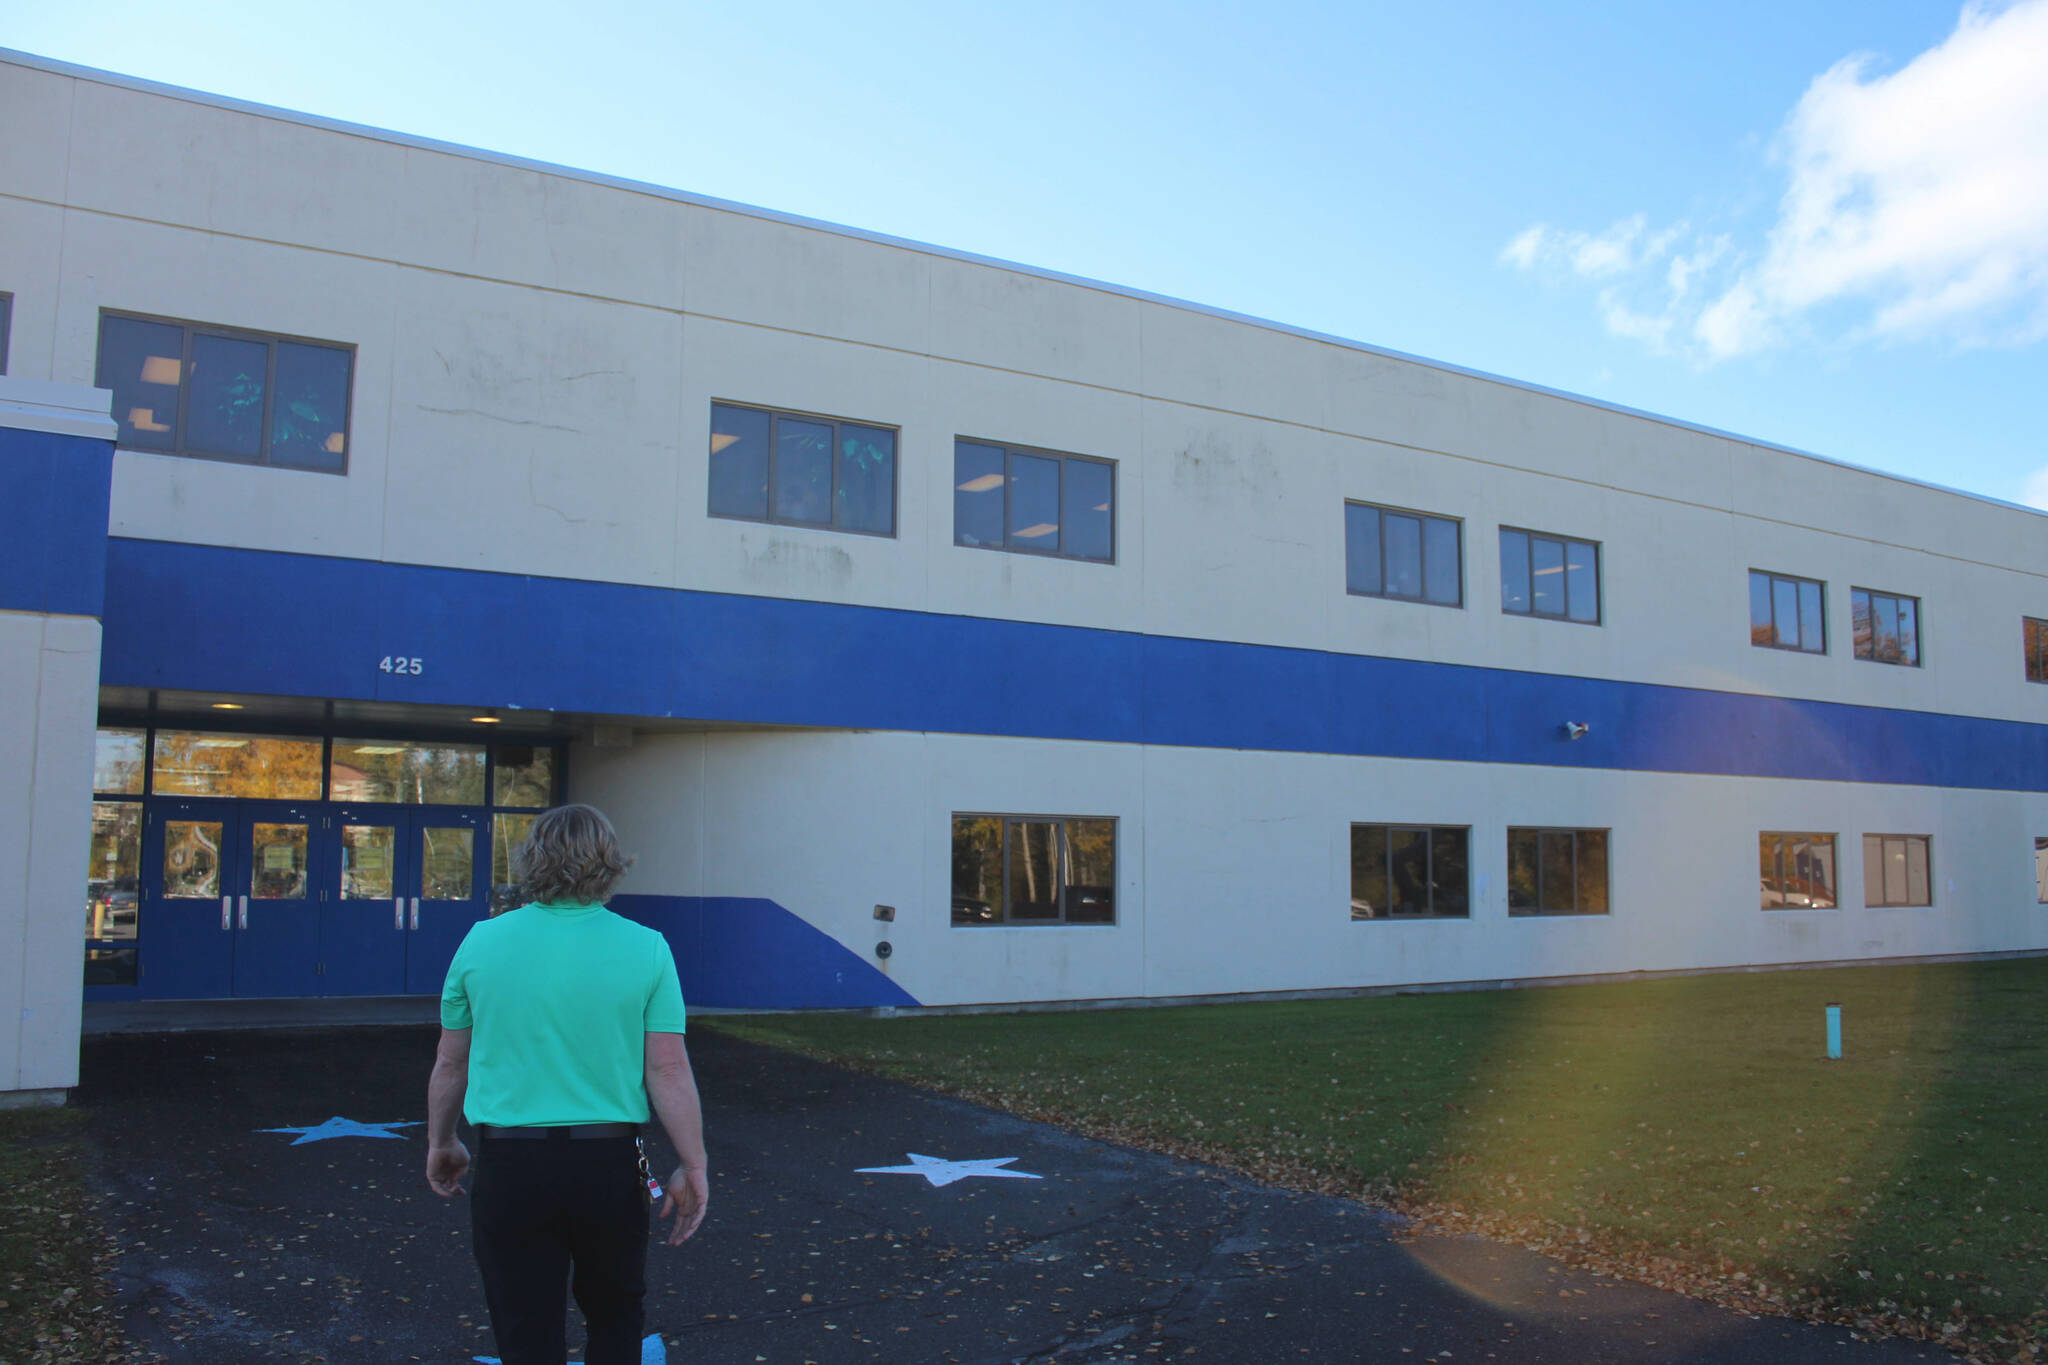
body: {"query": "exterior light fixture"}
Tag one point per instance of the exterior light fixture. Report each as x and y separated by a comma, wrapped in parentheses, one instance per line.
(487, 718)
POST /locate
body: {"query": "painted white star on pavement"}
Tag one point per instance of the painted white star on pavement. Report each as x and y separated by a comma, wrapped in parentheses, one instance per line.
(340, 1127)
(940, 1171)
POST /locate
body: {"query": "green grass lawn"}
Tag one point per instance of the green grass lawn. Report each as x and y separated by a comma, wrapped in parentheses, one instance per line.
(53, 1298)
(1688, 1131)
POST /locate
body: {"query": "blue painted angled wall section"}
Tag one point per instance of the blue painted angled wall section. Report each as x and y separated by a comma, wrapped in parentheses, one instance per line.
(740, 952)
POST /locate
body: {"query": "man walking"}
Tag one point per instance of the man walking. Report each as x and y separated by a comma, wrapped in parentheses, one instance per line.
(561, 1025)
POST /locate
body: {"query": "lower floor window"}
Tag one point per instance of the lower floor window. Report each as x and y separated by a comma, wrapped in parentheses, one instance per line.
(2041, 870)
(1797, 870)
(1896, 870)
(1033, 869)
(1557, 871)
(1410, 872)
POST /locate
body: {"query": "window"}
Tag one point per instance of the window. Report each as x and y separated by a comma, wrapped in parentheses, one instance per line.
(1405, 555)
(1033, 869)
(1410, 872)
(1006, 498)
(797, 470)
(114, 863)
(1557, 872)
(1549, 576)
(1787, 613)
(1797, 871)
(184, 388)
(2041, 870)
(1886, 627)
(6, 327)
(2035, 635)
(1896, 870)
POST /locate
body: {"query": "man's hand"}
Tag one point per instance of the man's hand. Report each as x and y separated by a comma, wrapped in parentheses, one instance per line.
(688, 1194)
(445, 1168)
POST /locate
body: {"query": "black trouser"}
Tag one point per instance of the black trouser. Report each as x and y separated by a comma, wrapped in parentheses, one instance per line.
(537, 1209)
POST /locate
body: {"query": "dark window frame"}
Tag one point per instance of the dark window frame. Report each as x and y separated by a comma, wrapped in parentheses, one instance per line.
(1384, 510)
(1859, 647)
(269, 340)
(6, 326)
(1784, 883)
(1004, 917)
(1430, 833)
(1926, 842)
(1774, 578)
(775, 416)
(1064, 458)
(1578, 908)
(1564, 551)
(2034, 641)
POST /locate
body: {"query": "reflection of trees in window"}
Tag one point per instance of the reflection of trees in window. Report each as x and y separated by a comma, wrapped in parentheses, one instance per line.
(1786, 613)
(508, 832)
(1033, 870)
(1886, 626)
(117, 761)
(1410, 872)
(523, 775)
(1557, 871)
(1797, 870)
(113, 867)
(263, 767)
(2034, 637)
(407, 773)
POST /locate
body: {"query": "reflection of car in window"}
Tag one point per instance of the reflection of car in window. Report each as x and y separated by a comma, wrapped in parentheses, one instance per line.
(967, 910)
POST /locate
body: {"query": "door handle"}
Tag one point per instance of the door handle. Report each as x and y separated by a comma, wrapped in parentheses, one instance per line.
(226, 909)
(242, 914)
(415, 912)
(398, 914)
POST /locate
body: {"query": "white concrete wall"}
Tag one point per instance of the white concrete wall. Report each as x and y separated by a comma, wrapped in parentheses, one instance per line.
(50, 673)
(1233, 868)
(537, 354)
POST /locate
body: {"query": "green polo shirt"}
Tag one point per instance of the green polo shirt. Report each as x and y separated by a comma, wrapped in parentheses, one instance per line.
(559, 998)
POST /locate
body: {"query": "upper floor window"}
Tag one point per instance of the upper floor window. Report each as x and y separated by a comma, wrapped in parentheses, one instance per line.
(1410, 872)
(1553, 576)
(1787, 612)
(6, 327)
(2035, 634)
(1796, 870)
(1886, 627)
(799, 470)
(1033, 869)
(1008, 498)
(1557, 872)
(1411, 556)
(187, 388)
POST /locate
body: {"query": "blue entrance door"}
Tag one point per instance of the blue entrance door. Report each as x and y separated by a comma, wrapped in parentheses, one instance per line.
(228, 897)
(405, 885)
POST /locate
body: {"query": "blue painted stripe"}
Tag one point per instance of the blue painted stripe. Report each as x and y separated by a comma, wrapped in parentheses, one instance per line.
(740, 952)
(211, 619)
(55, 489)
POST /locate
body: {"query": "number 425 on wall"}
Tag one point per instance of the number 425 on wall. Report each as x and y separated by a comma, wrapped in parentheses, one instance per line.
(396, 663)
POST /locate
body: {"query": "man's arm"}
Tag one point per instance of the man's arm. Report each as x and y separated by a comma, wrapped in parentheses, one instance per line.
(672, 1092)
(447, 1158)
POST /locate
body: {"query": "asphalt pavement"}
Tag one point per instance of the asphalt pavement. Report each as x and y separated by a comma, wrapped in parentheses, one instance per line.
(322, 1242)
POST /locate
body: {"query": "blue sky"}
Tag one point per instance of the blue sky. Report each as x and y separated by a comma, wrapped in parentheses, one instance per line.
(1821, 225)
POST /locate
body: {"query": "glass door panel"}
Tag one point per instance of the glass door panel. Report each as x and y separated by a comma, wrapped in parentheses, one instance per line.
(185, 924)
(447, 892)
(362, 925)
(277, 920)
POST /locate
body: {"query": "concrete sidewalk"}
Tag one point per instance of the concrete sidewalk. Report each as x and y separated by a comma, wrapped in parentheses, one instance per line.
(244, 1245)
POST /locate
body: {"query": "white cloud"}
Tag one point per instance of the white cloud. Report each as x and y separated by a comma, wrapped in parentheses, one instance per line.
(2034, 492)
(1915, 207)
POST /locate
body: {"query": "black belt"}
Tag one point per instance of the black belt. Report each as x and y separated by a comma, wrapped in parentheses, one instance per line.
(579, 1130)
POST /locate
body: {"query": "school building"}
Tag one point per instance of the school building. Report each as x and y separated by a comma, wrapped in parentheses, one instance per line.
(936, 630)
